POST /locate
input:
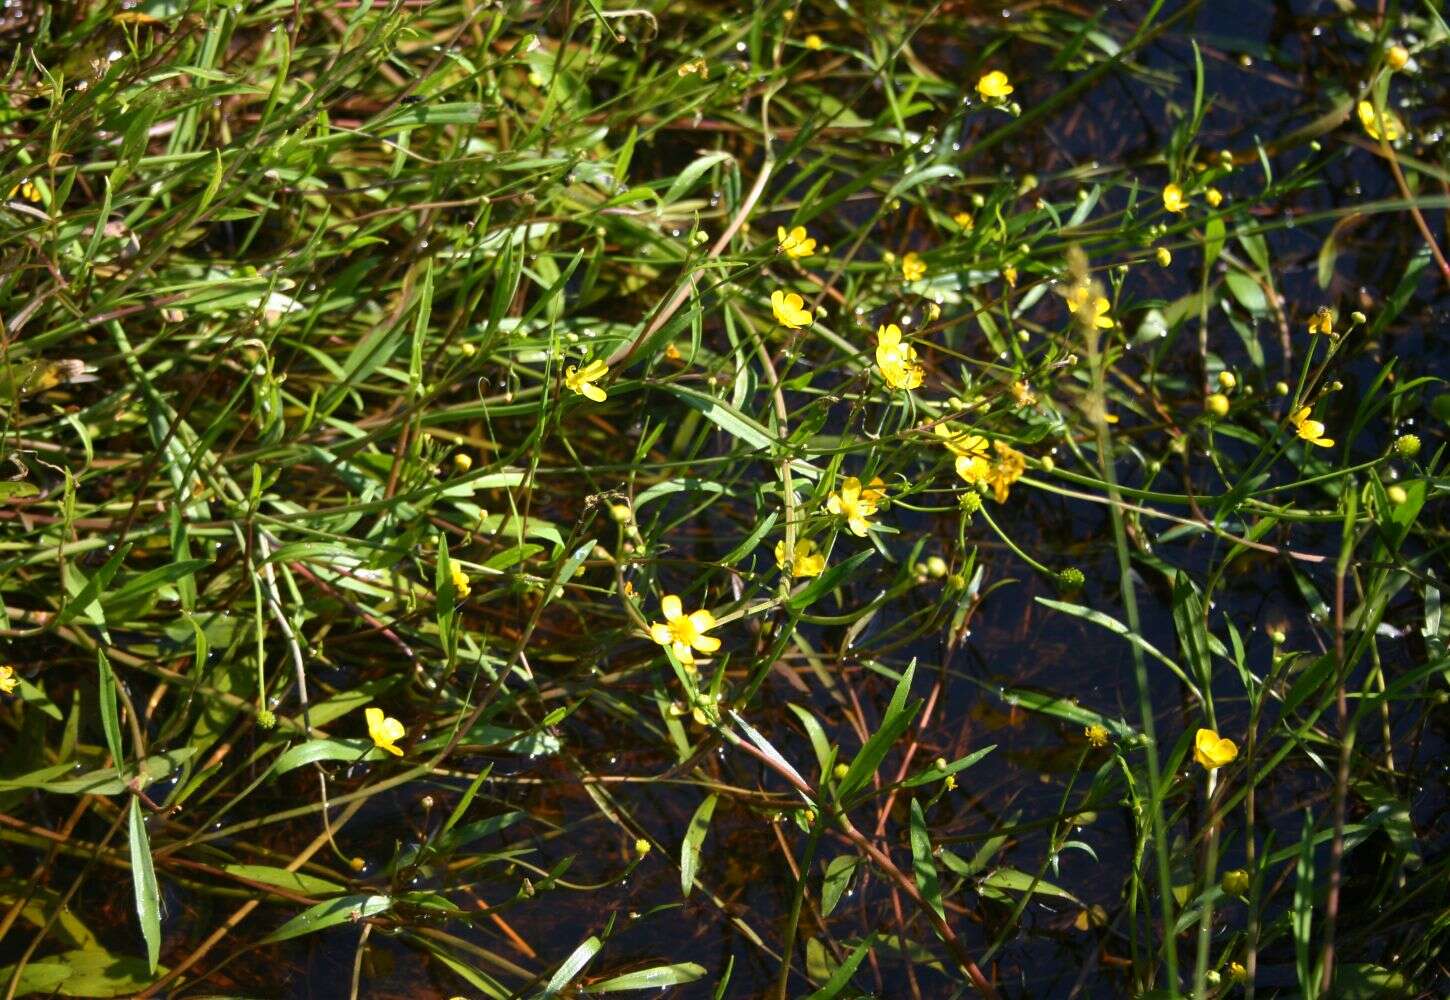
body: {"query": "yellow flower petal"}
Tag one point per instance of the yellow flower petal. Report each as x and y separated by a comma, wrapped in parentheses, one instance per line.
(1212, 750)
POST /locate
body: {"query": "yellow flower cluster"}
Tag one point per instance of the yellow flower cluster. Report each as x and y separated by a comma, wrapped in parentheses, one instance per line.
(1089, 308)
(806, 559)
(460, 582)
(790, 309)
(982, 464)
(581, 380)
(1380, 125)
(897, 360)
(684, 633)
(994, 85)
(1322, 321)
(1212, 750)
(913, 268)
(856, 504)
(796, 243)
(1309, 430)
(385, 731)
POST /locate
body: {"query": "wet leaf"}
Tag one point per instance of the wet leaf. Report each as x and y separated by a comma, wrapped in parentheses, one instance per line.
(922, 868)
(650, 979)
(347, 910)
(143, 880)
(694, 837)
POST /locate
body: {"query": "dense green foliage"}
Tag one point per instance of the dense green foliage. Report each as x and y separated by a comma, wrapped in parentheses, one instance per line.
(785, 499)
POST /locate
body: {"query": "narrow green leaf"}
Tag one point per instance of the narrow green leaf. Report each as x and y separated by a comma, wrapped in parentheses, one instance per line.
(316, 750)
(650, 979)
(893, 724)
(298, 882)
(935, 773)
(572, 966)
(922, 867)
(348, 909)
(837, 881)
(110, 721)
(841, 978)
(694, 837)
(143, 880)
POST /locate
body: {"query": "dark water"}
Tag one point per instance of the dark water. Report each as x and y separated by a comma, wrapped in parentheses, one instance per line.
(1268, 68)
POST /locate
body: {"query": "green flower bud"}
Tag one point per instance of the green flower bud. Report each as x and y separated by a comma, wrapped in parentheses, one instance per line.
(1407, 445)
(1235, 883)
(1070, 578)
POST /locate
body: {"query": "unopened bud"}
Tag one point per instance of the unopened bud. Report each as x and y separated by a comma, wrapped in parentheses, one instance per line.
(1235, 883)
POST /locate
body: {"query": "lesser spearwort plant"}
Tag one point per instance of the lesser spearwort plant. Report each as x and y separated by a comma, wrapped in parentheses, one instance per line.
(780, 499)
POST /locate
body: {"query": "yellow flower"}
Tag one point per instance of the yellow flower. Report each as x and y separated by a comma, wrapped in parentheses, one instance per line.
(964, 221)
(789, 309)
(8, 680)
(1164, 256)
(1393, 128)
(672, 352)
(994, 86)
(582, 380)
(26, 190)
(1173, 199)
(1010, 274)
(1238, 973)
(1214, 197)
(682, 632)
(1322, 321)
(806, 560)
(815, 43)
(1097, 735)
(1216, 404)
(913, 268)
(1005, 470)
(795, 243)
(897, 360)
(1080, 296)
(1212, 750)
(462, 461)
(1022, 394)
(385, 731)
(962, 444)
(1397, 56)
(1309, 430)
(854, 504)
(460, 582)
